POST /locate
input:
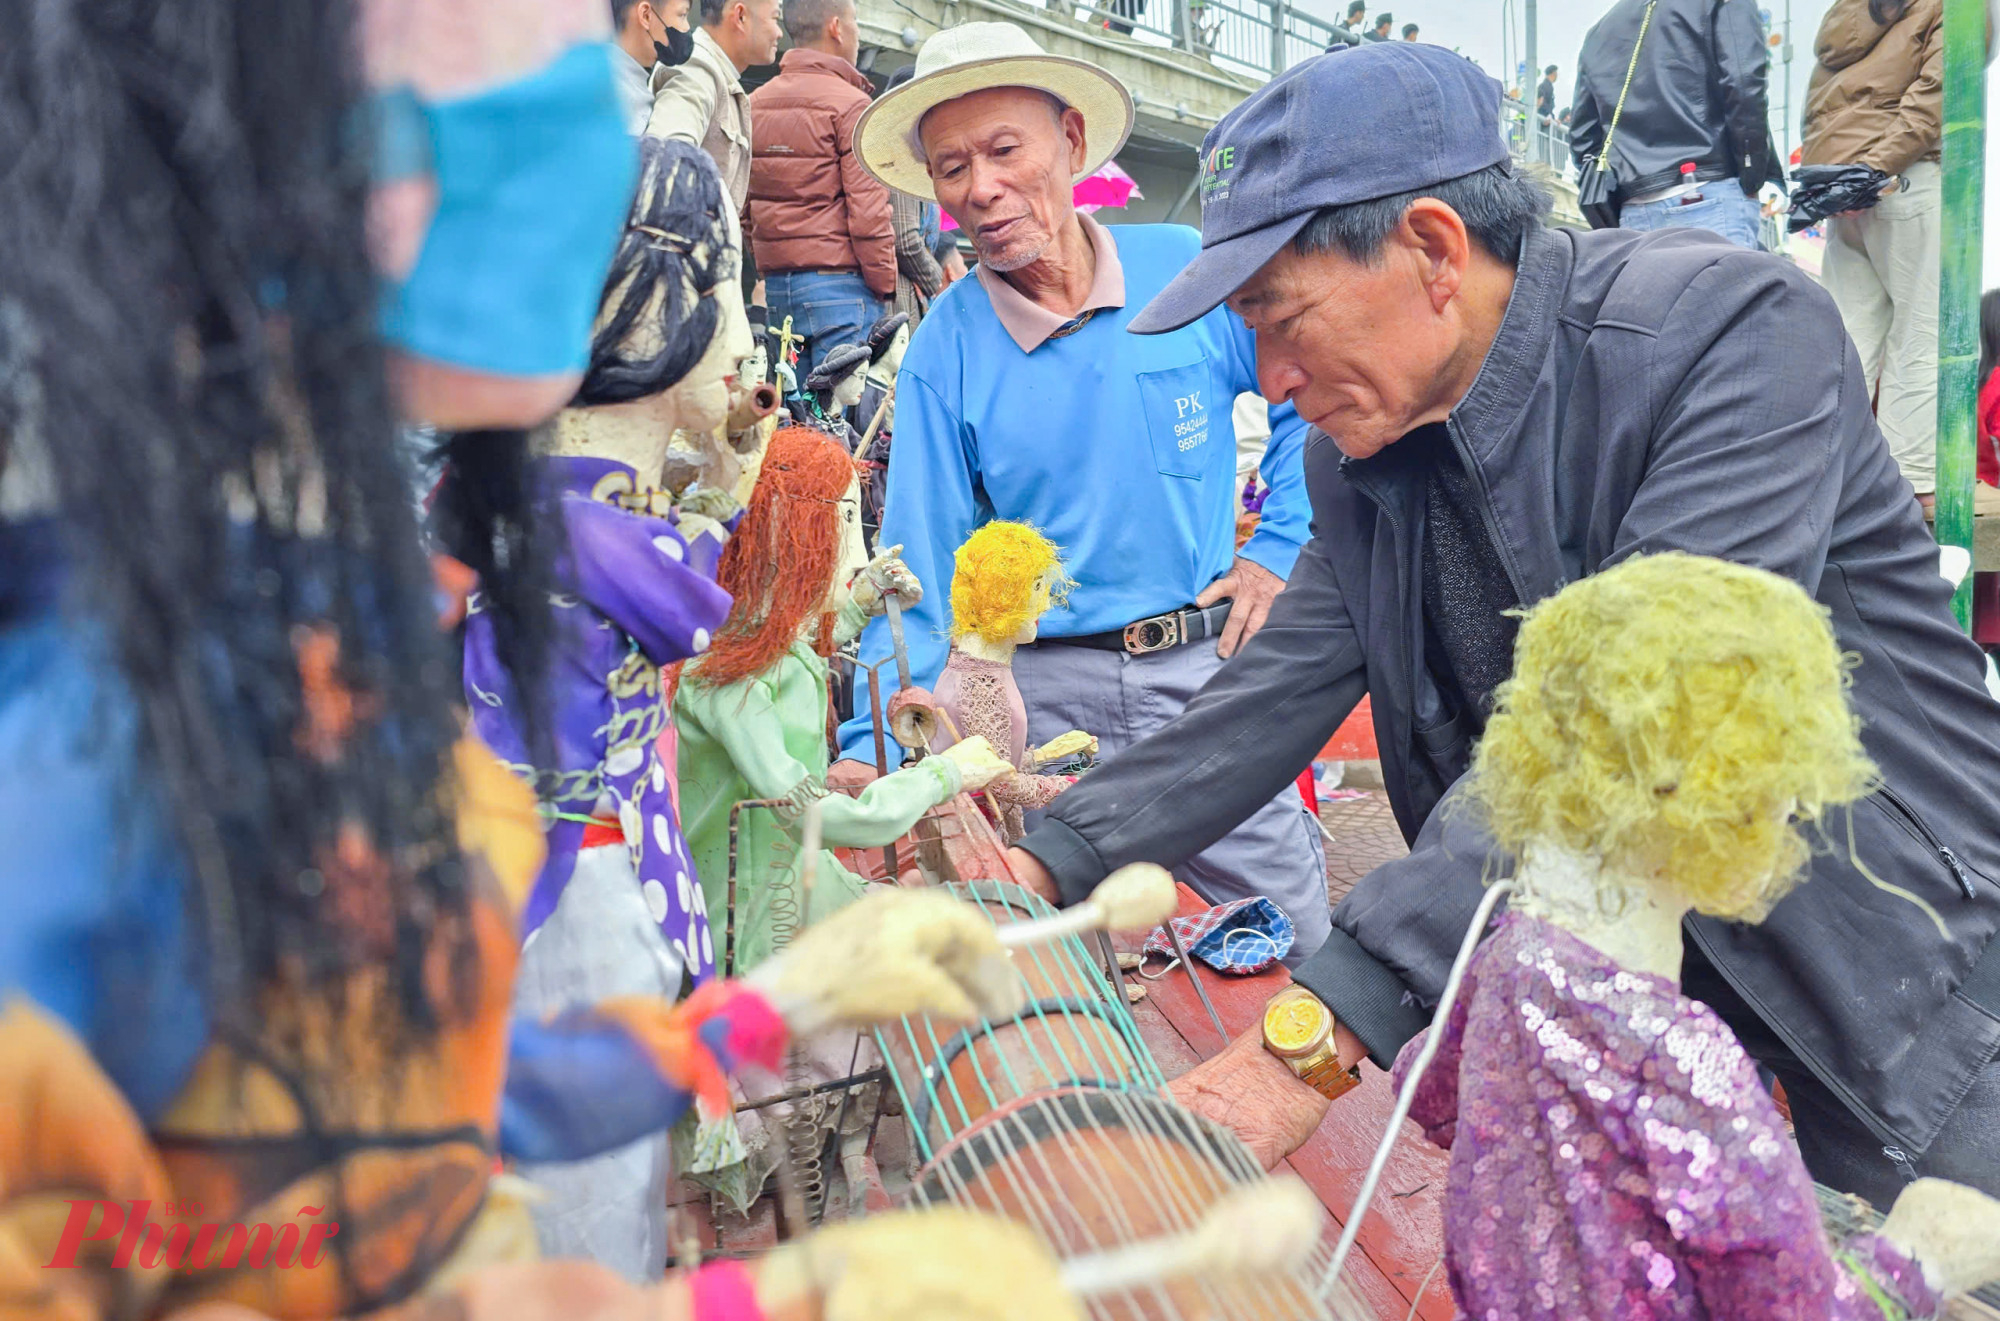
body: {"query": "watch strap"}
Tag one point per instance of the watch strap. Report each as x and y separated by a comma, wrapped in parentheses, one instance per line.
(1322, 1072)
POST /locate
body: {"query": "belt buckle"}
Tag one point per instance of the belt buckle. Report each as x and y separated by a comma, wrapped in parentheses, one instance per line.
(1160, 633)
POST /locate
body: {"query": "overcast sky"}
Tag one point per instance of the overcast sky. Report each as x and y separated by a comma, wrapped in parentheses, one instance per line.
(1474, 27)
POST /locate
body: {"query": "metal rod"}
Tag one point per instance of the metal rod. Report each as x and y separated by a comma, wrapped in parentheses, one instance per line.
(1180, 952)
(1963, 168)
(850, 1082)
(881, 754)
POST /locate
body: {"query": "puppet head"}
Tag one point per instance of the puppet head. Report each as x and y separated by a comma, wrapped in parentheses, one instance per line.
(1675, 717)
(788, 556)
(888, 340)
(198, 373)
(672, 328)
(1006, 576)
(672, 322)
(502, 171)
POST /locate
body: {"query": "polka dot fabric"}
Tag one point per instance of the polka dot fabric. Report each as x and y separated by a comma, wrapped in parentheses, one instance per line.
(639, 594)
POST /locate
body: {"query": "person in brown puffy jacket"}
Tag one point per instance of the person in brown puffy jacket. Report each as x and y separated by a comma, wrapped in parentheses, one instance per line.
(822, 231)
(1875, 99)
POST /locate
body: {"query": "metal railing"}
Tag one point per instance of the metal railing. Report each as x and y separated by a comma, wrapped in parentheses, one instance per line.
(1533, 141)
(1262, 37)
(1254, 37)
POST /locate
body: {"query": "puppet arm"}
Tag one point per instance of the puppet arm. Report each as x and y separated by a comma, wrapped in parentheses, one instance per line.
(744, 719)
(1725, 1176)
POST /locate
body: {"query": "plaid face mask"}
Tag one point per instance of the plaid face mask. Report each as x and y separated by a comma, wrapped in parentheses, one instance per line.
(1241, 937)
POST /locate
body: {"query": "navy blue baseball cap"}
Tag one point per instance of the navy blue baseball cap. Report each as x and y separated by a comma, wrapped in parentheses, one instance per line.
(1383, 118)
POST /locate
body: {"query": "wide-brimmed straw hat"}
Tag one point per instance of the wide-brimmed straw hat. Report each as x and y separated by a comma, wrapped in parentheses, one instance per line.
(973, 57)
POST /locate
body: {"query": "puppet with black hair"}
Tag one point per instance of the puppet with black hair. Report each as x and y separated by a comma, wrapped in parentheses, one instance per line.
(873, 416)
(259, 942)
(616, 909)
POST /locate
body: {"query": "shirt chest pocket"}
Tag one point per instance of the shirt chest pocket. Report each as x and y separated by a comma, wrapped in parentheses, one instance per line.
(1180, 418)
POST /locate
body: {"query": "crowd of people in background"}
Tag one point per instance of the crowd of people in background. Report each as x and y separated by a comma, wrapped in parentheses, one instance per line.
(1671, 98)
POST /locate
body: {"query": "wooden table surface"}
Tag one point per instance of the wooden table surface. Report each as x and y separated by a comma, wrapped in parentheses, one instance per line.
(1402, 1240)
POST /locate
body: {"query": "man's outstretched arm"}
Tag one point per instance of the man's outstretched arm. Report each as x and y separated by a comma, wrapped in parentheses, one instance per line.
(1246, 734)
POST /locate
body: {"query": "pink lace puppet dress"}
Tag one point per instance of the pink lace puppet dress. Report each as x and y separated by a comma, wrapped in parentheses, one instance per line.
(980, 697)
(1614, 1156)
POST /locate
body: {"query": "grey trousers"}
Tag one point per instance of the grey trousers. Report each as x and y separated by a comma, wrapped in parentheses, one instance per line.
(1121, 699)
(600, 942)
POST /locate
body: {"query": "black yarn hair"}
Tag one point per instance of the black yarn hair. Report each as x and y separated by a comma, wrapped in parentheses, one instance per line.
(677, 249)
(490, 515)
(189, 309)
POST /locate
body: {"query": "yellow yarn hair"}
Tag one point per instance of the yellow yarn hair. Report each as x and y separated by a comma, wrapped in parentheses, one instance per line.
(1675, 716)
(997, 584)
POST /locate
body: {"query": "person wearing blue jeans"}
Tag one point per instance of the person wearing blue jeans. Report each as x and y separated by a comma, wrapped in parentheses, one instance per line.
(1719, 206)
(829, 308)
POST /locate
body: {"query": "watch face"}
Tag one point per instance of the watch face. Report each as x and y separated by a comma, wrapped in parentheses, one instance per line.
(1293, 1023)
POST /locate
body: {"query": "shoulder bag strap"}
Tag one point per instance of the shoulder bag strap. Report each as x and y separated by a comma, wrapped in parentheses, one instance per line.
(1604, 152)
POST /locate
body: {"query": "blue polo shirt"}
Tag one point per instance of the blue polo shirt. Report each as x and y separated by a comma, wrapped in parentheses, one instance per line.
(1120, 447)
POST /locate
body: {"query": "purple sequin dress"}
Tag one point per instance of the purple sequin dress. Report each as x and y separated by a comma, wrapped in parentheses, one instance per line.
(1613, 1155)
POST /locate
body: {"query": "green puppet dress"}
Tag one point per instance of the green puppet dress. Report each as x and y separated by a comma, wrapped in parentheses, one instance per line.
(765, 737)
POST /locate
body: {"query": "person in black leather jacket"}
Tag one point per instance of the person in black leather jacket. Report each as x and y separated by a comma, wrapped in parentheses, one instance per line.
(1698, 95)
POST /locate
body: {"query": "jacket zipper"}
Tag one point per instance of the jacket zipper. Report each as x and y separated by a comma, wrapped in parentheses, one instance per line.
(1937, 845)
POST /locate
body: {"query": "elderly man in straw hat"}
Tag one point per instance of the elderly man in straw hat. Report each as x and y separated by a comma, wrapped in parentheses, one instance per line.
(1022, 397)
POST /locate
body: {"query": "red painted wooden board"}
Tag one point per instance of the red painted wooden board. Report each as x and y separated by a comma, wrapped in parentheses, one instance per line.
(1355, 739)
(1402, 1238)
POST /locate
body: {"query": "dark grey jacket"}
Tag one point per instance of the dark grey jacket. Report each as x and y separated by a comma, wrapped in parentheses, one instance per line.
(1699, 93)
(1645, 392)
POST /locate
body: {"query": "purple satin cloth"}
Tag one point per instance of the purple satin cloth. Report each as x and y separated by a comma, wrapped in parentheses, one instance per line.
(1614, 1156)
(637, 595)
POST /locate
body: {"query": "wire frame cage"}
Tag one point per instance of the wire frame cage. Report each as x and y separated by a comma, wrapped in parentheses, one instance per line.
(1058, 1118)
(1076, 1029)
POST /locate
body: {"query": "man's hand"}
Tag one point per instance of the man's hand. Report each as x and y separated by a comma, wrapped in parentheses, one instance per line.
(1256, 1096)
(1254, 587)
(1028, 871)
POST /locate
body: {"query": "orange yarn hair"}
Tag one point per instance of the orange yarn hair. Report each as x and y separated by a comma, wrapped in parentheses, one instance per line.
(780, 563)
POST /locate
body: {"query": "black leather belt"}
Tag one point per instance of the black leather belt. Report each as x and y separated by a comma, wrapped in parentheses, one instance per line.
(1142, 637)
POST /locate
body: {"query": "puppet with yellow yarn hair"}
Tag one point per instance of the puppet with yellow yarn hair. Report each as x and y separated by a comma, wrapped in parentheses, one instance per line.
(1004, 579)
(1671, 725)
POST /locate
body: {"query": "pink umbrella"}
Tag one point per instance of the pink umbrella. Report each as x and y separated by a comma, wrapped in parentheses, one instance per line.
(1106, 186)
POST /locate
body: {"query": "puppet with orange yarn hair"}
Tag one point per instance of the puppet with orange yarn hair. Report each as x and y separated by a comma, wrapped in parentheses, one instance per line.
(1004, 579)
(751, 711)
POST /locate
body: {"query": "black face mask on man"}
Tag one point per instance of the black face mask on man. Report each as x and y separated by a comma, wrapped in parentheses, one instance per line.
(675, 49)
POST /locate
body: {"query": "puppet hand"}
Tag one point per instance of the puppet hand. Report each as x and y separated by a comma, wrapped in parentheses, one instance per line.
(1252, 587)
(978, 764)
(1255, 1095)
(894, 953)
(1062, 747)
(884, 574)
(917, 1265)
(1953, 1232)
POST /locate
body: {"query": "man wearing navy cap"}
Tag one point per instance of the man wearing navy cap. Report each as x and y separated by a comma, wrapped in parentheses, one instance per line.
(1498, 409)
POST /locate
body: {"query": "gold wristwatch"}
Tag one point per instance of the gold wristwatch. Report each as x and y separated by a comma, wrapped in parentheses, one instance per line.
(1298, 1029)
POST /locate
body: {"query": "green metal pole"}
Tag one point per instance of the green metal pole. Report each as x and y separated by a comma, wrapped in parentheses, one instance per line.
(1964, 170)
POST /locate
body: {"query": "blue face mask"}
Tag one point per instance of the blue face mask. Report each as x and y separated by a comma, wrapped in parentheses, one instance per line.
(534, 179)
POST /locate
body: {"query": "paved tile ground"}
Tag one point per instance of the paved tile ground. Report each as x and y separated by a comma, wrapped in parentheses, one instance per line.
(1361, 835)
